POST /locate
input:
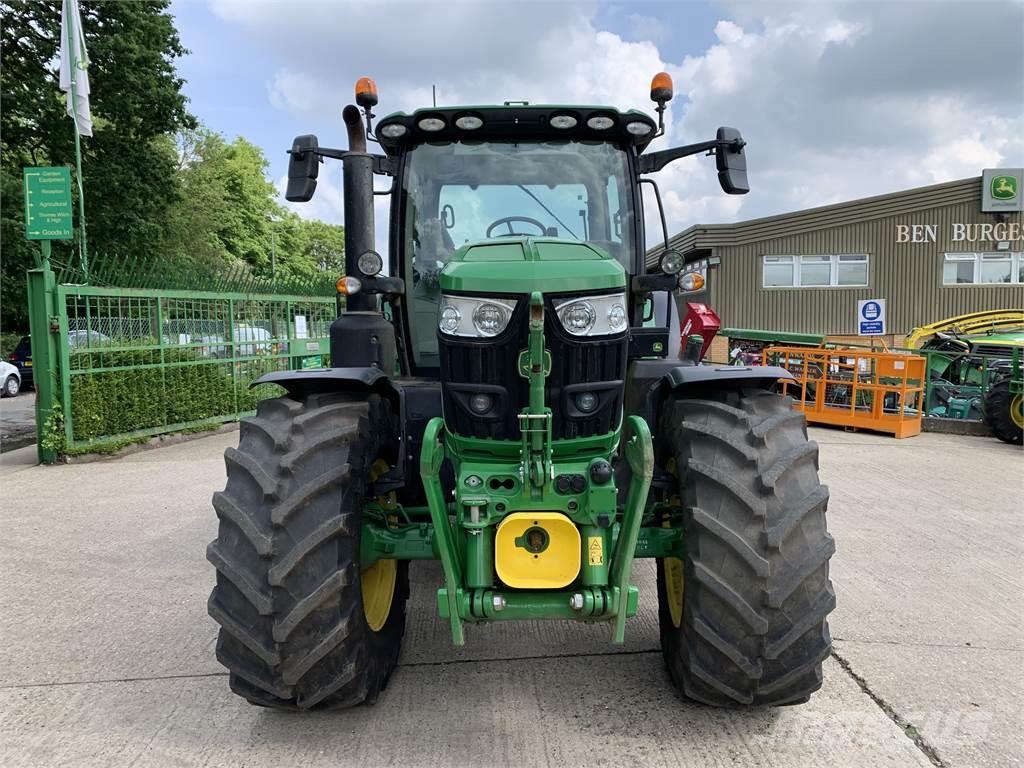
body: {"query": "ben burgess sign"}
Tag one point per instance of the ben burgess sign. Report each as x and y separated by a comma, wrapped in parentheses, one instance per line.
(961, 233)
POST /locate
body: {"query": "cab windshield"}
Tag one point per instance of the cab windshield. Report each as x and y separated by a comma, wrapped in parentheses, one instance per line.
(460, 192)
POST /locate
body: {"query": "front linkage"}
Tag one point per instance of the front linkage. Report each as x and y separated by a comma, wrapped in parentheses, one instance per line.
(558, 538)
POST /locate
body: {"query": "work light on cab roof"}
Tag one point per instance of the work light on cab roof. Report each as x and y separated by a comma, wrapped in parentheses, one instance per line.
(509, 397)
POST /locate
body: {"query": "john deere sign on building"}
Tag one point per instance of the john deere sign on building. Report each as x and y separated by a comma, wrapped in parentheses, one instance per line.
(1001, 190)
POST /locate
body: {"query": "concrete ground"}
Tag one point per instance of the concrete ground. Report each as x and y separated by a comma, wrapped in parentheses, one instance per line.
(107, 652)
(18, 419)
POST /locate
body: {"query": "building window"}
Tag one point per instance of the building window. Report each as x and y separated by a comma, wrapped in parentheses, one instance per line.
(849, 270)
(778, 271)
(852, 270)
(996, 268)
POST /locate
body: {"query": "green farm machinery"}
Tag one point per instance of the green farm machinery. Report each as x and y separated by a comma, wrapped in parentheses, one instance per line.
(502, 400)
(974, 369)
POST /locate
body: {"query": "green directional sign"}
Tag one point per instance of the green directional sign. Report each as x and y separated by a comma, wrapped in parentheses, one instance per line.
(48, 204)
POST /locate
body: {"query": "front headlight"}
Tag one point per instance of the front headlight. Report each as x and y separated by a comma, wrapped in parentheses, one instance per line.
(477, 317)
(593, 315)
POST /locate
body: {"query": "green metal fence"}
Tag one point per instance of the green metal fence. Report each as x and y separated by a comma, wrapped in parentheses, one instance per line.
(126, 363)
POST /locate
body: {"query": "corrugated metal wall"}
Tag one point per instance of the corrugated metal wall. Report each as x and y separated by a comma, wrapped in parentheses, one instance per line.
(907, 275)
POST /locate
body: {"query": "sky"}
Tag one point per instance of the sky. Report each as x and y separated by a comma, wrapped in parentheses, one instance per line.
(837, 99)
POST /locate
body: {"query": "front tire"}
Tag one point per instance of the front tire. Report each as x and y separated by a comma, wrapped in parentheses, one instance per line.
(743, 616)
(289, 599)
(11, 387)
(1004, 412)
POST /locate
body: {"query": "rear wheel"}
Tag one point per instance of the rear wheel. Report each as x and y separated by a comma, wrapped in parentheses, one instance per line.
(11, 387)
(743, 616)
(1004, 412)
(302, 625)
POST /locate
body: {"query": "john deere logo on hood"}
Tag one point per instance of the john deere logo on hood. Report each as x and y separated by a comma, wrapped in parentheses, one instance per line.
(1004, 187)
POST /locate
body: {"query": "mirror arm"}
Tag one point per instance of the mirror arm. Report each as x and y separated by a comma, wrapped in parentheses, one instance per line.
(658, 160)
(641, 284)
(382, 164)
(384, 285)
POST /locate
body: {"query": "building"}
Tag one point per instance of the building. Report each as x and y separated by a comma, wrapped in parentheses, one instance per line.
(930, 253)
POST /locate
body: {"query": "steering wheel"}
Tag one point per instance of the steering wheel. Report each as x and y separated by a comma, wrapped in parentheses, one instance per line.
(511, 232)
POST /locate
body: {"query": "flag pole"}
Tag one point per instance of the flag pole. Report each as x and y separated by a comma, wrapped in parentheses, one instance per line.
(83, 251)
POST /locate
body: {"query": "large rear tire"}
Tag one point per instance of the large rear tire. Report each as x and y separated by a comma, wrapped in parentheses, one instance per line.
(289, 598)
(743, 617)
(1004, 412)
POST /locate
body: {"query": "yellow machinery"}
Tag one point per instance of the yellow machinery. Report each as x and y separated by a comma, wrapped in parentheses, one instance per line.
(973, 323)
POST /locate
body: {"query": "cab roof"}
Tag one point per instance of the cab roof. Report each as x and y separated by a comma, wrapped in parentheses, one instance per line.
(515, 120)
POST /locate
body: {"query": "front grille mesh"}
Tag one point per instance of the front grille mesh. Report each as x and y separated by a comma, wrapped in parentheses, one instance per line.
(494, 362)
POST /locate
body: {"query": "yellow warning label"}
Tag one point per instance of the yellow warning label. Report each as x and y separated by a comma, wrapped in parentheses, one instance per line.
(595, 547)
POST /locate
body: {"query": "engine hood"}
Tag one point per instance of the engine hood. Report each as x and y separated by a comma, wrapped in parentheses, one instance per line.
(525, 264)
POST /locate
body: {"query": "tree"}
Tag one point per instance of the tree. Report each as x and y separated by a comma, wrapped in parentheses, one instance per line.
(129, 167)
(228, 211)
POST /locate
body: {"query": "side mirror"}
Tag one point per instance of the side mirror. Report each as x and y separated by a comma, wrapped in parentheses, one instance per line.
(303, 168)
(731, 162)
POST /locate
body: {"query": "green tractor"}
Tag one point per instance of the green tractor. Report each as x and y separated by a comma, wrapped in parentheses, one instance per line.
(501, 400)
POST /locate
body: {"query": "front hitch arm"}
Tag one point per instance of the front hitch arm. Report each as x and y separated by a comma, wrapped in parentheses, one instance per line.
(640, 455)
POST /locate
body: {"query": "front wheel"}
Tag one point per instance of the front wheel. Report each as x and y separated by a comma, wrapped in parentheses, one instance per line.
(302, 624)
(11, 387)
(743, 617)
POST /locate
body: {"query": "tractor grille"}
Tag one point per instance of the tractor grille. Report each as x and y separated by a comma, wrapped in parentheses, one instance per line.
(490, 366)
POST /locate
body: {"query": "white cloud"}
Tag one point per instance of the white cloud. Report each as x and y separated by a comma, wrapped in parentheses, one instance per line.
(840, 100)
(837, 99)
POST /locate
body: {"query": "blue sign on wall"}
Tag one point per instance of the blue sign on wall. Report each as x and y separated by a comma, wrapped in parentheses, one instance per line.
(871, 317)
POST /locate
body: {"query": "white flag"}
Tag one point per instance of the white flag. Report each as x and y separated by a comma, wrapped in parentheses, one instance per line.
(72, 47)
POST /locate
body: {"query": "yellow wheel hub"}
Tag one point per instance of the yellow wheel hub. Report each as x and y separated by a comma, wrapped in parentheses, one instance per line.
(378, 592)
(378, 581)
(674, 582)
(1017, 410)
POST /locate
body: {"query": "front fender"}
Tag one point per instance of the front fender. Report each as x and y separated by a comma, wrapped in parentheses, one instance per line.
(686, 375)
(650, 381)
(303, 383)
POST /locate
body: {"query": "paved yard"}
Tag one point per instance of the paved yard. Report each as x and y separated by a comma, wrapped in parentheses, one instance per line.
(18, 419)
(107, 652)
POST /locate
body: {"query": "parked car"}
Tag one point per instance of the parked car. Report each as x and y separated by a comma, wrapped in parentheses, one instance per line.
(10, 380)
(87, 339)
(242, 333)
(21, 357)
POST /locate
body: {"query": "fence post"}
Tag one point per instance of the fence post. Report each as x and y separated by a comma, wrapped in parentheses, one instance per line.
(41, 305)
(64, 353)
(163, 357)
(229, 345)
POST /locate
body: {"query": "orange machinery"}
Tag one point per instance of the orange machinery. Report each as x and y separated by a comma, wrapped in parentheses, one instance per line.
(854, 387)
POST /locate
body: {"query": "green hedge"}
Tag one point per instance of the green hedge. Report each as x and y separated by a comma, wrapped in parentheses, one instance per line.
(186, 388)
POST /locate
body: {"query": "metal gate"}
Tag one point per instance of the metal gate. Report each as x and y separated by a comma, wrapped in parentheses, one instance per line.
(124, 363)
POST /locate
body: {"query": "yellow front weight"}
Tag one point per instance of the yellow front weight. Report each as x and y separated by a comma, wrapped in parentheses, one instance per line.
(537, 550)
